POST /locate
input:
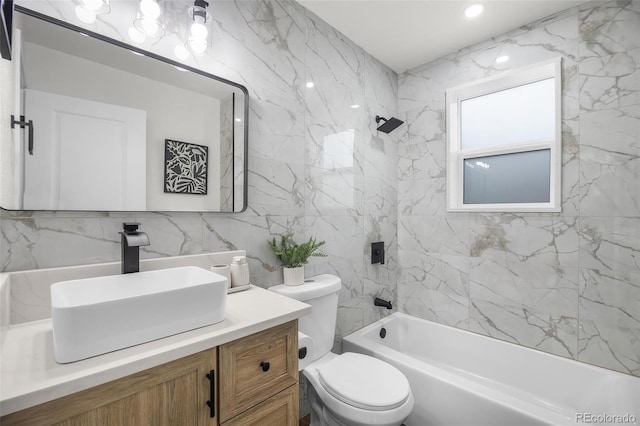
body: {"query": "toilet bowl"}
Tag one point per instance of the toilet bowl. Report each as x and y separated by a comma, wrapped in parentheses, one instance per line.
(349, 389)
(357, 390)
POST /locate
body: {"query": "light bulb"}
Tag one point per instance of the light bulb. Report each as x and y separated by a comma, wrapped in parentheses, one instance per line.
(150, 26)
(85, 15)
(150, 9)
(310, 84)
(198, 46)
(502, 59)
(181, 52)
(92, 4)
(135, 35)
(199, 31)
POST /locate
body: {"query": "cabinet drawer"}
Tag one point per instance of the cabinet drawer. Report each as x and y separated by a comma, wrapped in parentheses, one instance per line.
(257, 367)
(279, 410)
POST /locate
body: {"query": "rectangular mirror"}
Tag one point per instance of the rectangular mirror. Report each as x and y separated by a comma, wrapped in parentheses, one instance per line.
(100, 125)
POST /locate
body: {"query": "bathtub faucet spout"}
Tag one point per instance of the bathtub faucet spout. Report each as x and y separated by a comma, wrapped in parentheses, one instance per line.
(383, 303)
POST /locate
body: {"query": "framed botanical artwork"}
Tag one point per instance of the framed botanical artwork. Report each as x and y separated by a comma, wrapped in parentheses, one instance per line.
(185, 167)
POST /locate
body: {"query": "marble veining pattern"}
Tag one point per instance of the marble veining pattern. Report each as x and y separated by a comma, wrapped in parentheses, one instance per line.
(300, 181)
(564, 283)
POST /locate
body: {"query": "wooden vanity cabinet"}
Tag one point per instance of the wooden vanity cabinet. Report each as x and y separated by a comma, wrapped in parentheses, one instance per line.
(259, 377)
(170, 394)
(255, 384)
(278, 410)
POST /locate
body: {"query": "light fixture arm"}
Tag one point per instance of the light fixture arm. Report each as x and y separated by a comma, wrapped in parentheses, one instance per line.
(200, 10)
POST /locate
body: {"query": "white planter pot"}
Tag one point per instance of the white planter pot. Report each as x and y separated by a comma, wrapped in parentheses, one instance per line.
(293, 276)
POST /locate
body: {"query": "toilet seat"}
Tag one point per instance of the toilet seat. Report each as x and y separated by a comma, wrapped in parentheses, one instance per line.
(364, 382)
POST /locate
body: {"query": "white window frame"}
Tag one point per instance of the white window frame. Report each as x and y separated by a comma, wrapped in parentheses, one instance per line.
(456, 155)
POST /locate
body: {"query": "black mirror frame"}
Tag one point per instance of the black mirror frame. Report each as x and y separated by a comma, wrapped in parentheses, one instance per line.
(6, 12)
(118, 43)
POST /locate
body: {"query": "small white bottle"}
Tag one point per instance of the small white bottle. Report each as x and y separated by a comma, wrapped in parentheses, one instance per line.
(239, 271)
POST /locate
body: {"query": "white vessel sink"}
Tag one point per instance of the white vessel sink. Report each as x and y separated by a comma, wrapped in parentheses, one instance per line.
(98, 315)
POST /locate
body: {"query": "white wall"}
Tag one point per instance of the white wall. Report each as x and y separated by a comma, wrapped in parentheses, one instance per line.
(188, 117)
(6, 138)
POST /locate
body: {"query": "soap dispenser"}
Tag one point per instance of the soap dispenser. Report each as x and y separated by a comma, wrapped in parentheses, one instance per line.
(239, 271)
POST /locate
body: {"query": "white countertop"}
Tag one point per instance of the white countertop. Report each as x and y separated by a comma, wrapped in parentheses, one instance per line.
(30, 376)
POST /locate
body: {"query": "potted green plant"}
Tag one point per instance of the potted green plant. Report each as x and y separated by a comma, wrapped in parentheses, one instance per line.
(294, 256)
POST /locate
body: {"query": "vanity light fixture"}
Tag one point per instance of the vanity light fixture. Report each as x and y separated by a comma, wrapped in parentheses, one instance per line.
(87, 11)
(502, 59)
(355, 106)
(474, 10)
(148, 19)
(310, 84)
(198, 30)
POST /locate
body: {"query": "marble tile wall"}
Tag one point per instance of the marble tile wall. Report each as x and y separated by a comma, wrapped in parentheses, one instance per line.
(566, 283)
(316, 165)
(226, 154)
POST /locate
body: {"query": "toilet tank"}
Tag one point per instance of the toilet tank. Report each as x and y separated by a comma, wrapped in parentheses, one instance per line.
(321, 292)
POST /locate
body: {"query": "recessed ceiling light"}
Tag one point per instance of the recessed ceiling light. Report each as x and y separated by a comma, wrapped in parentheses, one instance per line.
(310, 84)
(473, 10)
(501, 59)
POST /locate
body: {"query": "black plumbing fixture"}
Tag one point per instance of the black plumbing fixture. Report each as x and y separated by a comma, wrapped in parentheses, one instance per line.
(389, 125)
(383, 333)
(377, 253)
(383, 303)
(131, 242)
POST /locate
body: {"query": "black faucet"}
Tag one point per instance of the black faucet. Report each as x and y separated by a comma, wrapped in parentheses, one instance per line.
(382, 303)
(132, 240)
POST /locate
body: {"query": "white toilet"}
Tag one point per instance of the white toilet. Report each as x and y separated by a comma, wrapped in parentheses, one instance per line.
(349, 389)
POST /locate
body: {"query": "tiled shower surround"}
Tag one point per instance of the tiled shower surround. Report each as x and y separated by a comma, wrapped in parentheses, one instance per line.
(565, 283)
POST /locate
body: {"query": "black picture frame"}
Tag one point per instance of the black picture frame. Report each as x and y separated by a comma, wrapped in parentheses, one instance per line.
(6, 13)
(186, 168)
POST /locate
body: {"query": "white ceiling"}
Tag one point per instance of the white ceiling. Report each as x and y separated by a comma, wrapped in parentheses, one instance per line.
(403, 34)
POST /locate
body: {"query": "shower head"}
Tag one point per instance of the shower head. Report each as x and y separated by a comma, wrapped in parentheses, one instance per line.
(389, 125)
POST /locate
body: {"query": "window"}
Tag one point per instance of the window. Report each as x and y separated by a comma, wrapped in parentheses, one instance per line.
(504, 142)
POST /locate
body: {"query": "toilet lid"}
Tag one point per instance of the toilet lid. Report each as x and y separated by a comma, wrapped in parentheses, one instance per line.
(364, 382)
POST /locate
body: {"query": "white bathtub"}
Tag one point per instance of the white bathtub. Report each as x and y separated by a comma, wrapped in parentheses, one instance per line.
(461, 378)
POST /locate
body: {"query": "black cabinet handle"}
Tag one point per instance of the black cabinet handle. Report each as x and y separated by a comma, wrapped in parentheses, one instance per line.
(212, 390)
(265, 366)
